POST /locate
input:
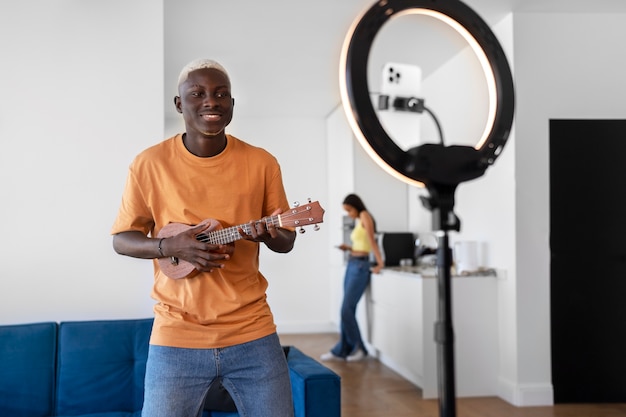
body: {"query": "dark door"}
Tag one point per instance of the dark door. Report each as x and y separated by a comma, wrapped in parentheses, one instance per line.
(588, 265)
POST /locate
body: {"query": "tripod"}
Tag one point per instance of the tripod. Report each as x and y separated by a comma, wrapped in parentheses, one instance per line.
(441, 204)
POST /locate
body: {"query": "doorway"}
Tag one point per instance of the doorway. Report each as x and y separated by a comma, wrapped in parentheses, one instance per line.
(588, 260)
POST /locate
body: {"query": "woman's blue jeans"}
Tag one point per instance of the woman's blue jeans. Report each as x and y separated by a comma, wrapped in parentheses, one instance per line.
(254, 373)
(356, 280)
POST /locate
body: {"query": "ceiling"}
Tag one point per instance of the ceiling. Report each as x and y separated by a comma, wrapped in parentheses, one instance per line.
(283, 55)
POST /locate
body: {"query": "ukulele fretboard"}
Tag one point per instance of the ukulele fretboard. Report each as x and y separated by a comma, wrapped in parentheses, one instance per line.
(231, 234)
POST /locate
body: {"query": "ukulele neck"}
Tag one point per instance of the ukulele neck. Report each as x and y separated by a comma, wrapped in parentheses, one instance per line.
(231, 234)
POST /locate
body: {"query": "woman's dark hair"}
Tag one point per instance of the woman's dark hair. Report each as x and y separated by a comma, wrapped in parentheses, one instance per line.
(356, 202)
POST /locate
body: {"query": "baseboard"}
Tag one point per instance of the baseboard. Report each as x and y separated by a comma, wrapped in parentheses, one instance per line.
(417, 380)
(526, 395)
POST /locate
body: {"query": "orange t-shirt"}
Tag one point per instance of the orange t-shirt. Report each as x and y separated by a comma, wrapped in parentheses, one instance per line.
(166, 183)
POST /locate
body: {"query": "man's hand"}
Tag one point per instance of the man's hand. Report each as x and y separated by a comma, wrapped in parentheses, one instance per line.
(203, 256)
(276, 239)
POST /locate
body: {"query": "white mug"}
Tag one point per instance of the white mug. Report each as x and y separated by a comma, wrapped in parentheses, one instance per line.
(466, 256)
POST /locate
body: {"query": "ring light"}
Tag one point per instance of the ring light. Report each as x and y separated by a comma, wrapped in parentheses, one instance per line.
(428, 163)
(437, 167)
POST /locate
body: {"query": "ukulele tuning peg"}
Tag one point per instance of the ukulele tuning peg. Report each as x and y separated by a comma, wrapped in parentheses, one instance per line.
(316, 227)
(296, 204)
(301, 230)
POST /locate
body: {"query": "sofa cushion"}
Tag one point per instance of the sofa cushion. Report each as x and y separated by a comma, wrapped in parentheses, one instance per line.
(101, 367)
(27, 361)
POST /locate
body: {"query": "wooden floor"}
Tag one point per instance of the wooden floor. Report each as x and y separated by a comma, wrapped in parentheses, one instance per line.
(370, 389)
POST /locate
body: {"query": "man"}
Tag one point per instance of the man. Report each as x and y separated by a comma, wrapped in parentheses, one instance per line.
(215, 322)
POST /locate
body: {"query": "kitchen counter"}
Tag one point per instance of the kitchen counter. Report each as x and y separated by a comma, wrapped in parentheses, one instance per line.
(402, 306)
(423, 271)
(427, 271)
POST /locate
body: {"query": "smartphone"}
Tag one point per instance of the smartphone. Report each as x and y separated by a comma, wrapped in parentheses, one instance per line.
(400, 81)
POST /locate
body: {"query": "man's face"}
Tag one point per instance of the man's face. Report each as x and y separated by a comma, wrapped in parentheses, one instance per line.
(205, 102)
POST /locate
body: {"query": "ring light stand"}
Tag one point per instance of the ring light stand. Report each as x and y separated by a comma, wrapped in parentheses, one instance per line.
(437, 167)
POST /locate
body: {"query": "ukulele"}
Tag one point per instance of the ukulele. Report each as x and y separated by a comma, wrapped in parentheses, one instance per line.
(298, 216)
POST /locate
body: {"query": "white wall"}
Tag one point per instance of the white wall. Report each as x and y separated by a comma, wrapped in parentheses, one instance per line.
(81, 90)
(83, 94)
(566, 66)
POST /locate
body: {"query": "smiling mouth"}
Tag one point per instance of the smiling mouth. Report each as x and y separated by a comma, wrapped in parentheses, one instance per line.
(211, 117)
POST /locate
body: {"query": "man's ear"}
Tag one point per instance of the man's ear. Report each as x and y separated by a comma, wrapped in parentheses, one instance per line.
(177, 104)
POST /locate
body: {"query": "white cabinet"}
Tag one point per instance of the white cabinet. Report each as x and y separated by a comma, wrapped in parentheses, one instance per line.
(396, 330)
(403, 311)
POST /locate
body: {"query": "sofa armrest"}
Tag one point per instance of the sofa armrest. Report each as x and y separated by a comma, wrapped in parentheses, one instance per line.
(316, 389)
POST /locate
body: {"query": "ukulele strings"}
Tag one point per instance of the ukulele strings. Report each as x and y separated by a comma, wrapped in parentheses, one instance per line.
(231, 234)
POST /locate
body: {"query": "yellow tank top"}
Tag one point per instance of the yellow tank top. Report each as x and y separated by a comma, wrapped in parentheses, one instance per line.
(360, 242)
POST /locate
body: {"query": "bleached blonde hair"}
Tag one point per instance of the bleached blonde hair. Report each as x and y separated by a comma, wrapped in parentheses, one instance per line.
(200, 64)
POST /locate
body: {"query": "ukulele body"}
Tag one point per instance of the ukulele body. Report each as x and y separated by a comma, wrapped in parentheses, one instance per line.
(177, 268)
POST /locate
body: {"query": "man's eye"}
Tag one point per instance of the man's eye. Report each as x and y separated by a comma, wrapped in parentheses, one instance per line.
(222, 95)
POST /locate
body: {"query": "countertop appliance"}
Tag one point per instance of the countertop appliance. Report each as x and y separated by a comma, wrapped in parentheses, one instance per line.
(396, 246)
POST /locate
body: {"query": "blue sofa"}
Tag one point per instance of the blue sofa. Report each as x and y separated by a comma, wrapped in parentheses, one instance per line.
(96, 369)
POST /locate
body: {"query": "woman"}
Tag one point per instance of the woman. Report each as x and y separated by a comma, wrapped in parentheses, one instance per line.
(350, 347)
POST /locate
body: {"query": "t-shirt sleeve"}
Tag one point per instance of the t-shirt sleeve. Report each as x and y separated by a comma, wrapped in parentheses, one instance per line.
(276, 196)
(133, 214)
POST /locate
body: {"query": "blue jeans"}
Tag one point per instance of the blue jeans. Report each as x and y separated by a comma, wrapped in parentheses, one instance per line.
(356, 280)
(254, 373)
